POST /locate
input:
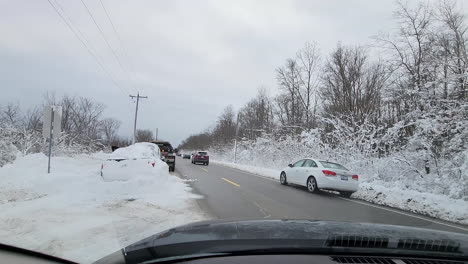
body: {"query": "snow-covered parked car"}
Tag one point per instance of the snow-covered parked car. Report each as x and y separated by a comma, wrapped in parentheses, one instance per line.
(318, 174)
(130, 160)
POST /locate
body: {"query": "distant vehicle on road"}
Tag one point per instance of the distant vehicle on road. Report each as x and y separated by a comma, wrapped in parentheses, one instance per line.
(167, 153)
(318, 174)
(186, 156)
(201, 157)
(124, 161)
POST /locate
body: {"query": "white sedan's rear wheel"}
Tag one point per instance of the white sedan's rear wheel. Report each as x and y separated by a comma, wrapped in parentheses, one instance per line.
(283, 179)
(312, 185)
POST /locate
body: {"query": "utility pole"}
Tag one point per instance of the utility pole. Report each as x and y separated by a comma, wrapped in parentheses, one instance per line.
(138, 96)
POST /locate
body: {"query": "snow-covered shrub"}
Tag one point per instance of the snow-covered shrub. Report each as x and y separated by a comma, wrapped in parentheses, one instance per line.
(14, 141)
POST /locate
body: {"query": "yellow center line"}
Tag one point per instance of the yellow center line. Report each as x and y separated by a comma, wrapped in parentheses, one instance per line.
(231, 182)
(204, 169)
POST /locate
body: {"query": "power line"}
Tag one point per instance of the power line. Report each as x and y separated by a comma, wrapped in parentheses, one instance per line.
(105, 39)
(87, 48)
(122, 46)
(88, 43)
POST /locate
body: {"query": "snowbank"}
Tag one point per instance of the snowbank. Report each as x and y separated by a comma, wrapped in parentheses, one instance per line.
(75, 214)
(141, 150)
(394, 194)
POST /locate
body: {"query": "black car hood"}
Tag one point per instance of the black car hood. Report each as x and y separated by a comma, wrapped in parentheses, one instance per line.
(296, 236)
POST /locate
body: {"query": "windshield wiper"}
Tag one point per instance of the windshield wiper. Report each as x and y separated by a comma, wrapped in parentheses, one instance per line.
(214, 238)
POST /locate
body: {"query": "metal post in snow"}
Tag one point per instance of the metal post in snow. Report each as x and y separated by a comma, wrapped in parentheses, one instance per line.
(50, 139)
(136, 116)
(235, 139)
(235, 150)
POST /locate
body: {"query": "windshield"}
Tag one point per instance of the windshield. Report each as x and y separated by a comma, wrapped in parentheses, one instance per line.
(345, 111)
(331, 165)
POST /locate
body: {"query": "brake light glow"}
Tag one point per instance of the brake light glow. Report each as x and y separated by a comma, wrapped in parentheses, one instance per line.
(355, 177)
(329, 173)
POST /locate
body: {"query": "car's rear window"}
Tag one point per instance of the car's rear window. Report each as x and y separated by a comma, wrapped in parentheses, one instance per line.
(202, 153)
(165, 148)
(332, 165)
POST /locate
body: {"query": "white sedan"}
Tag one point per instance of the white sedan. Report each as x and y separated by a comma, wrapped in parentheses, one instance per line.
(318, 174)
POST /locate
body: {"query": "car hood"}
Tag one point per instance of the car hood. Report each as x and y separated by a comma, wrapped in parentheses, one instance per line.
(294, 236)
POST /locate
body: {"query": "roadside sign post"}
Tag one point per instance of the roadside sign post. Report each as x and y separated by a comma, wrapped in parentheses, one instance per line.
(50, 139)
(51, 126)
(235, 138)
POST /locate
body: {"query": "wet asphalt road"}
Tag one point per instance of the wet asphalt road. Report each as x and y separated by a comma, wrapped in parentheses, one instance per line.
(233, 194)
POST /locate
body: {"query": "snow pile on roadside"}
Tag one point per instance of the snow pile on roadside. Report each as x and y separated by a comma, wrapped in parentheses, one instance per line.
(397, 196)
(141, 150)
(394, 194)
(73, 213)
(265, 172)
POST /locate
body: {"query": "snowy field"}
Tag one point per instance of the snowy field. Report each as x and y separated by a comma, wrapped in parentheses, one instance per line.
(394, 194)
(76, 214)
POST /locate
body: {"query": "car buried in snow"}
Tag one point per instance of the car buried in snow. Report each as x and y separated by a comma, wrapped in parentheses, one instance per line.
(125, 161)
(319, 174)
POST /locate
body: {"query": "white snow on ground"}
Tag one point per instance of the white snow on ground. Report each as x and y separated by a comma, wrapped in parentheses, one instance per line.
(389, 194)
(141, 150)
(73, 213)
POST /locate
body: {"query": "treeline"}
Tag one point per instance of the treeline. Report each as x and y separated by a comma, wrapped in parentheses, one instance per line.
(84, 128)
(412, 95)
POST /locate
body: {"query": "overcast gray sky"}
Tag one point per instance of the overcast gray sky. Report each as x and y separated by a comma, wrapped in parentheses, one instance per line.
(191, 58)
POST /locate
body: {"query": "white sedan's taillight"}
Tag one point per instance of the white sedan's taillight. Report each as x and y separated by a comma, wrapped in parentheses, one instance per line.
(329, 173)
(355, 177)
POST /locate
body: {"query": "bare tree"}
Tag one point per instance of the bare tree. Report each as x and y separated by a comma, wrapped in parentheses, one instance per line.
(225, 128)
(298, 78)
(411, 52)
(68, 105)
(308, 59)
(196, 142)
(351, 86)
(11, 115)
(109, 128)
(120, 142)
(453, 39)
(289, 81)
(144, 135)
(256, 117)
(33, 119)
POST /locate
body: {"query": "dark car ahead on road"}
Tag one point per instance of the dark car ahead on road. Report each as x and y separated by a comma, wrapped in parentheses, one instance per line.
(167, 153)
(186, 156)
(201, 157)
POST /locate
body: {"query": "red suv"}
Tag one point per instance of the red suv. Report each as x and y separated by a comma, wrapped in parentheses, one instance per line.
(201, 157)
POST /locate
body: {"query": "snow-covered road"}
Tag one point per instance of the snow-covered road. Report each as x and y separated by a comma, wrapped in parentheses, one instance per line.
(73, 213)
